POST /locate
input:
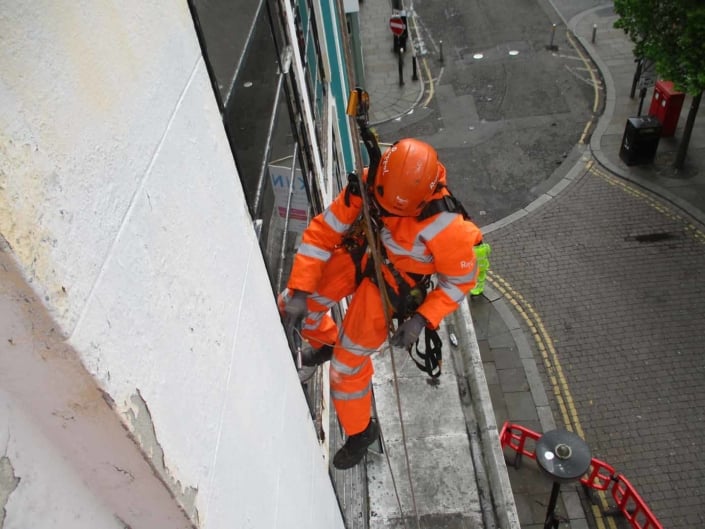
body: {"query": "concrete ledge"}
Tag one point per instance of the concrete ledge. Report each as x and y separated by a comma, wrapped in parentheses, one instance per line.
(496, 469)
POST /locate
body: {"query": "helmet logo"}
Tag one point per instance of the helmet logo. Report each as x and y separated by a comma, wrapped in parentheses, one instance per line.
(385, 158)
(400, 202)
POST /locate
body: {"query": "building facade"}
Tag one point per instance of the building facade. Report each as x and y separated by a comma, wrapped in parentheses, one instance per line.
(145, 380)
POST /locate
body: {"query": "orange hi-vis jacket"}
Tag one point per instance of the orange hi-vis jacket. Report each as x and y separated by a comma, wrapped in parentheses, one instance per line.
(441, 244)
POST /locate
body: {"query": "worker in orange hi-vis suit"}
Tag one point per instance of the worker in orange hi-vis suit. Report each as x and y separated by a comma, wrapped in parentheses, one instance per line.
(423, 231)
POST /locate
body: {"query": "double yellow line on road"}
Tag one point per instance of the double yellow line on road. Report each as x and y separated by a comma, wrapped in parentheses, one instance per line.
(595, 87)
(424, 61)
(542, 338)
(547, 350)
(652, 200)
(554, 371)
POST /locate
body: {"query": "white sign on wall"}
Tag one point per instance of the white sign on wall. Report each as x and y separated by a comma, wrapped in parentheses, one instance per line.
(298, 213)
(351, 6)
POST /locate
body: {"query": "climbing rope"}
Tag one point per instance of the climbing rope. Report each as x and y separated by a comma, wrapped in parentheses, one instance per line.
(406, 450)
(358, 107)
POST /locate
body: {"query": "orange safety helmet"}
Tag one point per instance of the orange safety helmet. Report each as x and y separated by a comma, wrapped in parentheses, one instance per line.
(407, 176)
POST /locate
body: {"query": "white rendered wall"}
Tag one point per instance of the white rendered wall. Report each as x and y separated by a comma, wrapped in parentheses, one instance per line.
(144, 377)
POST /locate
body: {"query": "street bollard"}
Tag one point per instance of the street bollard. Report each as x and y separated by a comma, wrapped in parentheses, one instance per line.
(441, 43)
(552, 46)
(594, 32)
(401, 66)
(637, 76)
(414, 74)
(642, 95)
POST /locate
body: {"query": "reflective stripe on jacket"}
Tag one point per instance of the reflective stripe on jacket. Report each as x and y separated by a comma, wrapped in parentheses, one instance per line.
(441, 244)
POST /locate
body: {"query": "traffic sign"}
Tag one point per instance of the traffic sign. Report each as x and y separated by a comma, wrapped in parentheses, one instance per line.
(396, 24)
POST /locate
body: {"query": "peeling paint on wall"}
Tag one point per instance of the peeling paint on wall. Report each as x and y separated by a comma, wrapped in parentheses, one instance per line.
(27, 179)
(8, 483)
(142, 427)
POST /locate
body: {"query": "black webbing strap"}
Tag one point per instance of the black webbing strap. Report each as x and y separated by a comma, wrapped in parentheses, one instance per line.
(432, 357)
(354, 187)
(406, 298)
(445, 203)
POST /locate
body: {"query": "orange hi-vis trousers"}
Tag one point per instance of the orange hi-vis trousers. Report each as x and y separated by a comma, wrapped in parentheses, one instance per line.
(362, 333)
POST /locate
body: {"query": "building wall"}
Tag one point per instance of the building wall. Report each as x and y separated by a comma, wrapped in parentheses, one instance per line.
(336, 60)
(144, 378)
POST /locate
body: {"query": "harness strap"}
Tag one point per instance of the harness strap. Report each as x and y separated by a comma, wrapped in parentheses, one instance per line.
(407, 297)
(445, 203)
(433, 355)
(353, 188)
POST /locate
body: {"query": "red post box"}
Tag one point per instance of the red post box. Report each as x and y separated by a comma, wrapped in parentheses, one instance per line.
(666, 106)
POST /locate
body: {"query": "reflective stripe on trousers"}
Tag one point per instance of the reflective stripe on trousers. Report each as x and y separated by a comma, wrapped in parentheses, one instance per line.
(363, 331)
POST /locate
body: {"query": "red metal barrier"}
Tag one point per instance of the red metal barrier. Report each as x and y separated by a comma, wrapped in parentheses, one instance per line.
(599, 477)
(632, 506)
(514, 436)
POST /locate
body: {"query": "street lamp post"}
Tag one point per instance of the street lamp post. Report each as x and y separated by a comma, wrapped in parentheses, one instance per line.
(565, 457)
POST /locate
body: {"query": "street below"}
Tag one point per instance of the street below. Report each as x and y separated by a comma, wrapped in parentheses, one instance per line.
(611, 272)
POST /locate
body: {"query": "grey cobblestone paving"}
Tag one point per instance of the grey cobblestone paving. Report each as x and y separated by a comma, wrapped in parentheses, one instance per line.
(614, 273)
(619, 282)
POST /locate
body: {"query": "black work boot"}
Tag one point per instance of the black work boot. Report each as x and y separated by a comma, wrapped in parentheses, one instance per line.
(315, 357)
(355, 447)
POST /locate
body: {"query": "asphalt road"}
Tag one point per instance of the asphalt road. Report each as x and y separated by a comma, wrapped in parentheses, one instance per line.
(504, 123)
(613, 273)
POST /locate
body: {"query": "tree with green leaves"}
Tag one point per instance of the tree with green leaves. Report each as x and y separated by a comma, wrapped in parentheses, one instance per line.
(671, 34)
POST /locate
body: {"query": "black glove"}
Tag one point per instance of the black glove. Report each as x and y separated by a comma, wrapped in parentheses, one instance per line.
(295, 309)
(409, 331)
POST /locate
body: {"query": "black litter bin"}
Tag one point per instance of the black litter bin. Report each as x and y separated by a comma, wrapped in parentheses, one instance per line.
(640, 140)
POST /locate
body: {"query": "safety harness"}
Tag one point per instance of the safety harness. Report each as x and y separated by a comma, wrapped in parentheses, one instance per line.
(362, 239)
(432, 356)
(407, 297)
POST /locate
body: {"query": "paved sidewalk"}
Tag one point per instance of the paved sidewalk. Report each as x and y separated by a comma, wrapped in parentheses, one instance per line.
(507, 347)
(506, 344)
(513, 374)
(612, 53)
(389, 99)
